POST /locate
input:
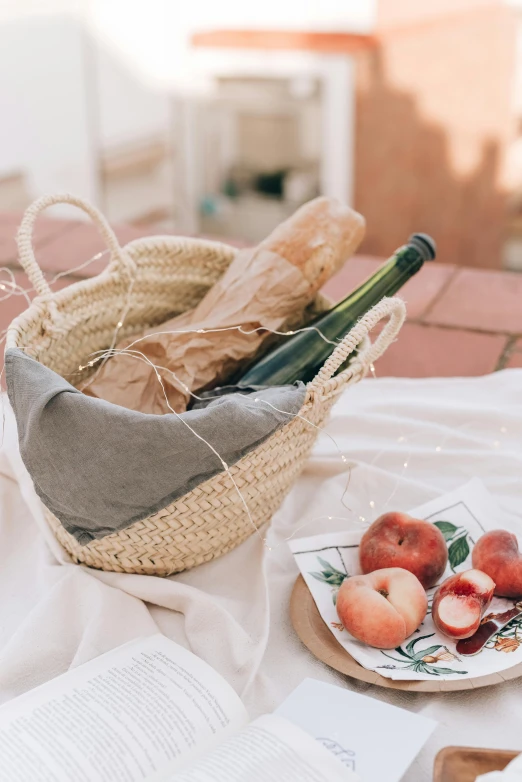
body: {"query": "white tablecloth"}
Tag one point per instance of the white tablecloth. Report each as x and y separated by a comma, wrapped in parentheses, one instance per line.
(234, 612)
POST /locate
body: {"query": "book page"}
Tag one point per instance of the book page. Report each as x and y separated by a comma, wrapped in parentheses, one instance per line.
(376, 740)
(270, 748)
(143, 708)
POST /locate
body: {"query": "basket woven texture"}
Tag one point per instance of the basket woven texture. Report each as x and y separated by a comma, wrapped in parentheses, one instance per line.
(167, 275)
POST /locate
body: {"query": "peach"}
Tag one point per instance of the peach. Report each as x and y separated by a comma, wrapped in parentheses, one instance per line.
(497, 554)
(460, 602)
(399, 540)
(382, 608)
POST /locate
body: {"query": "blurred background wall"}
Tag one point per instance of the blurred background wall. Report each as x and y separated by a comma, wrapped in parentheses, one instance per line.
(435, 121)
(221, 118)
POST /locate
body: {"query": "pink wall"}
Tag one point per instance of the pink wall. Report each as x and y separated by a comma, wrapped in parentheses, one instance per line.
(434, 119)
(395, 13)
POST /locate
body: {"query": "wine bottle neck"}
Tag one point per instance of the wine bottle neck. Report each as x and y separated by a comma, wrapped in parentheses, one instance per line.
(387, 280)
(302, 355)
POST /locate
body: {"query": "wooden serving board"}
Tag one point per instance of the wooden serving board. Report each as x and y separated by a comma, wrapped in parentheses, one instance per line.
(465, 764)
(316, 636)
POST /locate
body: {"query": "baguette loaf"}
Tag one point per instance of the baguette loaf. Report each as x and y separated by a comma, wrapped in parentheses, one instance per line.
(268, 286)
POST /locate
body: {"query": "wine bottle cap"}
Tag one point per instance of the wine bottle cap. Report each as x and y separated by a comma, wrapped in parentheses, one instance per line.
(425, 246)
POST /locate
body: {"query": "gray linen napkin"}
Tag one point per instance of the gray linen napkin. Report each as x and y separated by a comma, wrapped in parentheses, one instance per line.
(100, 467)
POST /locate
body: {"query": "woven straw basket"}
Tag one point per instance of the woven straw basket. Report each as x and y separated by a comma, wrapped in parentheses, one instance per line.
(168, 276)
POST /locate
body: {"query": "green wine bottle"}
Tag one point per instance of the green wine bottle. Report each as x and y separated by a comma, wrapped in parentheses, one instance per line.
(301, 356)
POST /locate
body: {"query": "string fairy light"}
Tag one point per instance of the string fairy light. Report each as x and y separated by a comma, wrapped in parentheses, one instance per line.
(126, 307)
(102, 355)
(10, 287)
(14, 289)
(105, 354)
(18, 290)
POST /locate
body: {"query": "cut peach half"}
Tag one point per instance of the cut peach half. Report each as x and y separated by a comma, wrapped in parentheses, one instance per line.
(460, 602)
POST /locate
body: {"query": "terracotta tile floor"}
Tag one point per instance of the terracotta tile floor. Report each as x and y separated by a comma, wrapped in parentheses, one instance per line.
(460, 321)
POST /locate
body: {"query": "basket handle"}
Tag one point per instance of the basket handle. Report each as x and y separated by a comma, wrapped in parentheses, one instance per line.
(120, 261)
(395, 310)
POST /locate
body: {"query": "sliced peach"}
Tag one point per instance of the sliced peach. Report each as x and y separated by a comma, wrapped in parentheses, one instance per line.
(460, 602)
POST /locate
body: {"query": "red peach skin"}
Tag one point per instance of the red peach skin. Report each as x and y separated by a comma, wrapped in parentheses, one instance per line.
(382, 608)
(399, 540)
(460, 602)
(497, 554)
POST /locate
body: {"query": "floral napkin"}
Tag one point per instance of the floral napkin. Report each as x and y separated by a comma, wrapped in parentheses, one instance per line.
(462, 516)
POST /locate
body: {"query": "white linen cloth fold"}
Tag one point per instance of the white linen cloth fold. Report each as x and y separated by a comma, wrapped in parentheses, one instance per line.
(234, 612)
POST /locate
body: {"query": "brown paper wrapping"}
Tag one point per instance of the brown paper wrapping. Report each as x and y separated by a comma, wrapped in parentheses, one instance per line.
(268, 286)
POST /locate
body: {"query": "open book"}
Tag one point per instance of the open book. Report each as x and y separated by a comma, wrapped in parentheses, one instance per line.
(151, 710)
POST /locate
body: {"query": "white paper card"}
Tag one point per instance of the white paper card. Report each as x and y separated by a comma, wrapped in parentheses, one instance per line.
(462, 516)
(352, 725)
